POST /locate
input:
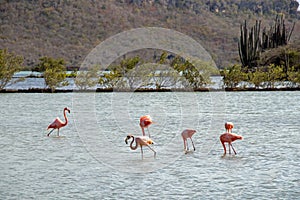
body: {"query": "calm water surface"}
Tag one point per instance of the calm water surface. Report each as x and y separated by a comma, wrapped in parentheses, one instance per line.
(92, 161)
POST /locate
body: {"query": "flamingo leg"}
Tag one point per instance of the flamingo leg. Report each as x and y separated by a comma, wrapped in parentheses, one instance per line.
(50, 132)
(193, 144)
(184, 145)
(58, 132)
(229, 147)
(142, 152)
(187, 145)
(148, 132)
(233, 149)
(152, 150)
(224, 147)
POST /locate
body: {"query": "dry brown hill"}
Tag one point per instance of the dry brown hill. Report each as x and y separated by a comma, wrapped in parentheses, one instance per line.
(71, 29)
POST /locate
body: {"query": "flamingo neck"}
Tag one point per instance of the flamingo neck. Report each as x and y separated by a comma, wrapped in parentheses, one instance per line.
(66, 119)
(143, 130)
(131, 144)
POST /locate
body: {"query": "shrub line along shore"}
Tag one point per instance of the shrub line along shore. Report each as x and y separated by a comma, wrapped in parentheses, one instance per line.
(47, 90)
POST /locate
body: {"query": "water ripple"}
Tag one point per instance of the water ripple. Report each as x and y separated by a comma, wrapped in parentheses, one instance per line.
(34, 166)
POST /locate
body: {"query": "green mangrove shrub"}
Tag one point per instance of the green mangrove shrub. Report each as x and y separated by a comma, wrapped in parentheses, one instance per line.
(257, 78)
(195, 74)
(87, 78)
(54, 72)
(274, 74)
(9, 65)
(294, 77)
(233, 76)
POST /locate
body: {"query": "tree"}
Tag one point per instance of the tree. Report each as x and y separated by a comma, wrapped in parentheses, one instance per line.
(232, 76)
(87, 78)
(128, 64)
(274, 74)
(195, 74)
(294, 77)
(127, 74)
(54, 72)
(110, 78)
(131, 73)
(162, 75)
(257, 78)
(9, 65)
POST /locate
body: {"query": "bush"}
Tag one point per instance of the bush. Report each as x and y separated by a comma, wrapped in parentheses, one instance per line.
(294, 77)
(54, 71)
(195, 74)
(257, 78)
(87, 78)
(274, 74)
(9, 65)
(233, 75)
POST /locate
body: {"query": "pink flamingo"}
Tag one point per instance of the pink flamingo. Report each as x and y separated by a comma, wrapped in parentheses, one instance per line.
(57, 123)
(145, 122)
(228, 126)
(140, 141)
(229, 137)
(187, 133)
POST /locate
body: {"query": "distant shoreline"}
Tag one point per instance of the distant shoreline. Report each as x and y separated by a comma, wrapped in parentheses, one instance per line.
(108, 90)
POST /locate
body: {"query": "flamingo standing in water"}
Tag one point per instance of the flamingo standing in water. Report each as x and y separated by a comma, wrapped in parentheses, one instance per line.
(229, 137)
(188, 133)
(57, 123)
(145, 122)
(140, 141)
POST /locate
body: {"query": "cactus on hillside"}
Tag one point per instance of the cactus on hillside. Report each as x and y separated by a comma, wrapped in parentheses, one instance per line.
(249, 44)
(277, 35)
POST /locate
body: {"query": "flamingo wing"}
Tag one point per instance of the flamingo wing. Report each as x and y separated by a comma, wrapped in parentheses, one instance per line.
(145, 140)
(234, 137)
(57, 123)
(188, 133)
(229, 138)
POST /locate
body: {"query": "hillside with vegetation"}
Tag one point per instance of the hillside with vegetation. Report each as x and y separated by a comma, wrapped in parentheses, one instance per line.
(71, 29)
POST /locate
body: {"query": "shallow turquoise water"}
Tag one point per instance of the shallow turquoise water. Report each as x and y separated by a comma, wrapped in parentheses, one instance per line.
(91, 160)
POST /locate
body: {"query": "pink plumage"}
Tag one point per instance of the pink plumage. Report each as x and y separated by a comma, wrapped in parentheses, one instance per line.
(145, 122)
(57, 123)
(188, 133)
(229, 138)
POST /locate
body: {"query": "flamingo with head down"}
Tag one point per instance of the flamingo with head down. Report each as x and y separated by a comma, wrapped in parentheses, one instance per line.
(140, 141)
(229, 137)
(187, 133)
(57, 123)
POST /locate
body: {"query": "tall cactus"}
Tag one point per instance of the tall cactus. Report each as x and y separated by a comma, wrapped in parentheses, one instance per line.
(277, 35)
(249, 45)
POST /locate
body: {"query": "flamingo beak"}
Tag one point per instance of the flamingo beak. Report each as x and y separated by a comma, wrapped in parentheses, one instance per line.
(126, 140)
(69, 111)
